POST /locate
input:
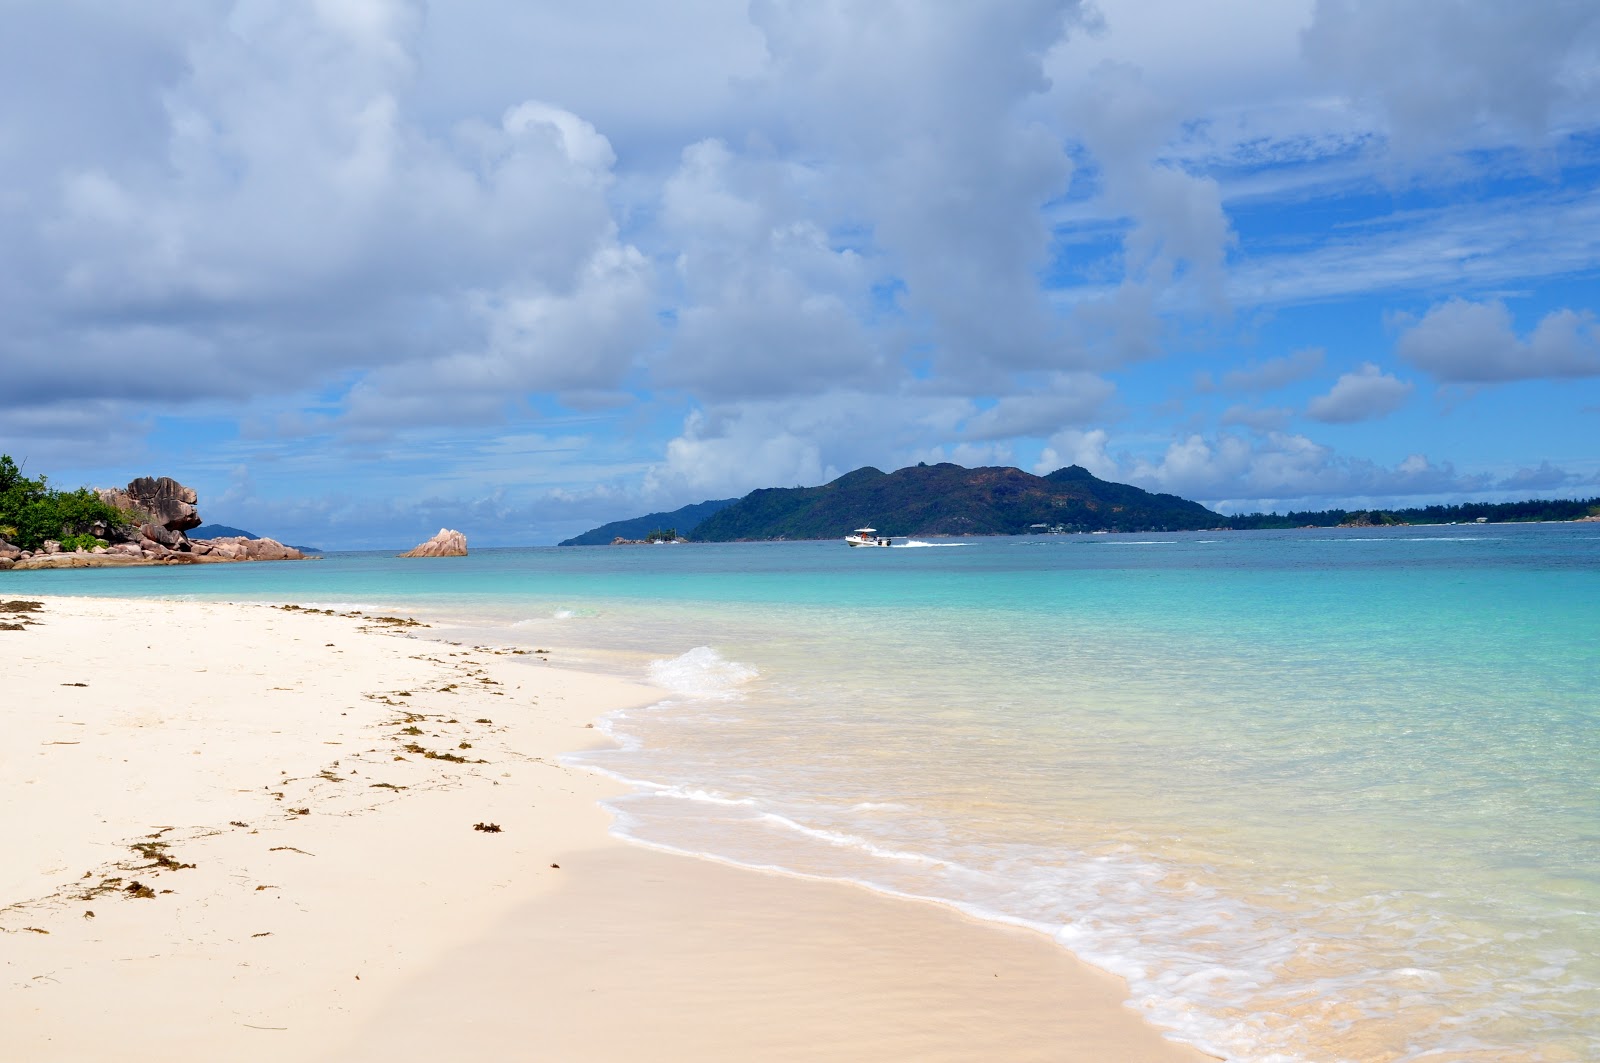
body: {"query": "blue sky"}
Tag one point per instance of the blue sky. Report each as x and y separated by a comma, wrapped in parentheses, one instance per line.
(356, 269)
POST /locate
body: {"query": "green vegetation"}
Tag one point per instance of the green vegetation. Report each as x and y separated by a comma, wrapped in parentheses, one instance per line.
(662, 535)
(31, 511)
(1466, 513)
(946, 499)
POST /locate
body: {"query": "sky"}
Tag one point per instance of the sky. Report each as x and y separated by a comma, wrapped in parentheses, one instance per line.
(359, 269)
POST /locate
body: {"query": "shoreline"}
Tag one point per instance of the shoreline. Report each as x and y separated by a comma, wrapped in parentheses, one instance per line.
(322, 815)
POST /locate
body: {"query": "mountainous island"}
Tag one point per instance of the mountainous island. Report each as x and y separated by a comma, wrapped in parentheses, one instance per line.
(942, 499)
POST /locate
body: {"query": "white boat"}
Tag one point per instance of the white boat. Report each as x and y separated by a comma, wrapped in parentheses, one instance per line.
(866, 537)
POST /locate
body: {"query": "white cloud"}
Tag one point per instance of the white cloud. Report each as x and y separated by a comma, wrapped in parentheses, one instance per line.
(1079, 447)
(920, 111)
(1364, 395)
(1241, 473)
(301, 225)
(1447, 72)
(720, 460)
(770, 307)
(1461, 341)
(1179, 232)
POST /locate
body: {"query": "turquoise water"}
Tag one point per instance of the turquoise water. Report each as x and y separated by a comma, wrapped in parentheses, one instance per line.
(1317, 795)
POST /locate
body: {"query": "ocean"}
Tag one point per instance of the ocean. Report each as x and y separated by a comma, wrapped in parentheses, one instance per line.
(1319, 795)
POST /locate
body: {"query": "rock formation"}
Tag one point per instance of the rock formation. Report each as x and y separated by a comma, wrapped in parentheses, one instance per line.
(163, 502)
(241, 548)
(162, 509)
(447, 543)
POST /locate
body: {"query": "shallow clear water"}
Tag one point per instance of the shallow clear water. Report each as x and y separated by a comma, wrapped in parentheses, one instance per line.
(1317, 794)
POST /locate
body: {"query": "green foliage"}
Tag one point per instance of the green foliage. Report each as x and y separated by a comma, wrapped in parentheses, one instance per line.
(32, 511)
(662, 535)
(1533, 509)
(81, 542)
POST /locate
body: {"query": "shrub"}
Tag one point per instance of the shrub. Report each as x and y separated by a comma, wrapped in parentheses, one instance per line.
(32, 511)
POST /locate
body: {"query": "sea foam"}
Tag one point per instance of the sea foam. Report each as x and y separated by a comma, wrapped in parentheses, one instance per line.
(701, 673)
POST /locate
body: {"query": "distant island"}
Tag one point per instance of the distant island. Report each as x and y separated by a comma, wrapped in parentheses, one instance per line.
(639, 529)
(1530, 511)
(947, 499)
(942, 499)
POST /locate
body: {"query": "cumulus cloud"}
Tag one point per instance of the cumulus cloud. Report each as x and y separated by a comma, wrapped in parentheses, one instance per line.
(1179, 232)
(1079, 447)
(1363, 395)
(1544, 477)
(300, 224)
(719, 457)
(920, 111)
(770, 306)
(1287, 466)
(1445, 72)
(1461, 341)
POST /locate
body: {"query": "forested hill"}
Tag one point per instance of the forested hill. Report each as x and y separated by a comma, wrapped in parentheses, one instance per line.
(684, 520)
(947, 499)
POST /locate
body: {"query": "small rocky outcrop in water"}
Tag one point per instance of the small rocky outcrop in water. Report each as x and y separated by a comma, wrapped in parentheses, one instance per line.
(448, 543)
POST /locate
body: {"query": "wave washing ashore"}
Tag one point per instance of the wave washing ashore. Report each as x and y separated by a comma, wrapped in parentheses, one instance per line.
(1317, 795)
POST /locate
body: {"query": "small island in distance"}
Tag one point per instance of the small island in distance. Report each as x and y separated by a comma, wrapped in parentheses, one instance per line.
(948, 499)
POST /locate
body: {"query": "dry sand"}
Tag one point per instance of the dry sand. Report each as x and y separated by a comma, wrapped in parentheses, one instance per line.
(342, 906)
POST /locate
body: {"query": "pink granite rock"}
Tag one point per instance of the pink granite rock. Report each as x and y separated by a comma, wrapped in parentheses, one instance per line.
(238, 548)
(447, 543)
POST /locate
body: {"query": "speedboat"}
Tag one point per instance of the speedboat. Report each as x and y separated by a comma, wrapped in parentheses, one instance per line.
(866, 537)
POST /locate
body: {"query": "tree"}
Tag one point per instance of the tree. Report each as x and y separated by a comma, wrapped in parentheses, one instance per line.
(31, 511)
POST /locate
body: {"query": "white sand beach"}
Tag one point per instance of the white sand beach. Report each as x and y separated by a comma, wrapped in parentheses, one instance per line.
(252, 833)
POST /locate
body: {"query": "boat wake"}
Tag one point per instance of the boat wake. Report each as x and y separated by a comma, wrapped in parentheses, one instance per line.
(918, 542)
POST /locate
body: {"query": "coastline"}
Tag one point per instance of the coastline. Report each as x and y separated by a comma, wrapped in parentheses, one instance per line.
(330, 914)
